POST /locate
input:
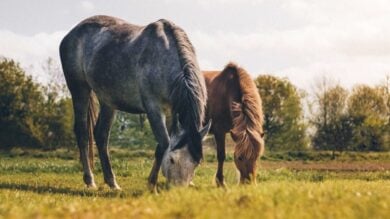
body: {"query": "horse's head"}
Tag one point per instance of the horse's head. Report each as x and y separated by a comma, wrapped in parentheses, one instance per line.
(248, 135)
(179, 164)
(246, 155)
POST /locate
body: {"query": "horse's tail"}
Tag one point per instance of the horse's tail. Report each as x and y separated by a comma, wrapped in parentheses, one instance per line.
(188, 92)
(247, 115)
(92, 115)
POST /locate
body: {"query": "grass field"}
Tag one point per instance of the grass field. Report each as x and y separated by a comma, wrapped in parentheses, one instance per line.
(36, 184)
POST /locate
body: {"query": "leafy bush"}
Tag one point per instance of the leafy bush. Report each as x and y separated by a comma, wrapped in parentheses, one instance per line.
(31, 114)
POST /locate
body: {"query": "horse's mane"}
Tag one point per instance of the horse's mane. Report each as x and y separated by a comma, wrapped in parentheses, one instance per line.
(188, 92)
(247, 115)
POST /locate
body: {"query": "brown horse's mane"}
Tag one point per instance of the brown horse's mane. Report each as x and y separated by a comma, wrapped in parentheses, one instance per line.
(247, 116)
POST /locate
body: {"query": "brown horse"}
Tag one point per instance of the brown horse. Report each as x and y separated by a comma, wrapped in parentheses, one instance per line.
(234, 105)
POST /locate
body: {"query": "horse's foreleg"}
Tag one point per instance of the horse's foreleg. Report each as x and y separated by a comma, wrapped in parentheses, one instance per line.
(221, 154)
(102, 134)
(156, 119)
(80, 97)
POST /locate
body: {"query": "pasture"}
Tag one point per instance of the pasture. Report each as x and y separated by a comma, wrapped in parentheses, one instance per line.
(36, 184)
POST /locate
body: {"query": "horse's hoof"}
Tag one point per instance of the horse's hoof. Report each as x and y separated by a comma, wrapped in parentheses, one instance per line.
(112, 184)
(220, 184)
(153, 188)
(91, 186)
(115, 187)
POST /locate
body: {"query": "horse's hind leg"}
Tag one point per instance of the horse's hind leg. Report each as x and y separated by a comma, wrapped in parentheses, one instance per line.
(80, 98)
(102, 134)
(221, 154)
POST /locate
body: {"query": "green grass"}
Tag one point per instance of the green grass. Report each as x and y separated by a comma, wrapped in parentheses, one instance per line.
(49, 185)
(327, 156)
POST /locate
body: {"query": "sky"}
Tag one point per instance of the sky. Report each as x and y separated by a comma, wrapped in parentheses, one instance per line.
(303, 40)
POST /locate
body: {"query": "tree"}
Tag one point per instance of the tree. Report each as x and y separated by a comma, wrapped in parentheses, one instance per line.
(32, 114)
(20, 106)
(331, 122)
(132, 130)
(57, 110)
(284, 125)
(385, 90)
(368, 110)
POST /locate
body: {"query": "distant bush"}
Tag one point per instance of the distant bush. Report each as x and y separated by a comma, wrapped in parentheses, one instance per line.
(30, 114)
(130, 130)
(41, 116)
(355, 121)
(284, 126)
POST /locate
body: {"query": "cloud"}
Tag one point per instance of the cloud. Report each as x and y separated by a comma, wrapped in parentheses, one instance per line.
(88, 6)
(31, 51)
(218, 3)
(301, 55)
(300, 39)
(348, 41)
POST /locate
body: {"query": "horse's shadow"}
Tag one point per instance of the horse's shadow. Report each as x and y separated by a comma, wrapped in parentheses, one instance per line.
(47, 189)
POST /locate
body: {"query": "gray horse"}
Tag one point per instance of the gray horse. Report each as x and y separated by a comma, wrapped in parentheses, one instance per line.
(136, 69)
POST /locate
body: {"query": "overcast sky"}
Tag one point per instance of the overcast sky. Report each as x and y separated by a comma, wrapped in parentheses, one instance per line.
(348, 40)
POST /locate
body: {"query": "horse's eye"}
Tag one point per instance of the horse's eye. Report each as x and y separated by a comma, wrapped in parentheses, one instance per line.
(171, 160)
(240, 158)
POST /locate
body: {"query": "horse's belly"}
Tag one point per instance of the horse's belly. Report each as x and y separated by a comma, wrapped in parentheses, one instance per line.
(128, 103)
(126, 99)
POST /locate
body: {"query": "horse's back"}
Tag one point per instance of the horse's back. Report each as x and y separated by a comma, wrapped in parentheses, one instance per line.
(210, 75)
(78, 47)
(100, 39)
(119, 29)
(104, 21)
(115, 59)
(94, 33)
(222, 89)
(91, 57)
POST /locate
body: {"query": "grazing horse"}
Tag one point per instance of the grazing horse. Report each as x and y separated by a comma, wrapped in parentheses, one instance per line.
(136, 69)
(234, 105)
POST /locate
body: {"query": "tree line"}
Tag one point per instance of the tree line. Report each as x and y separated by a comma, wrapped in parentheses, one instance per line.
(333, 118)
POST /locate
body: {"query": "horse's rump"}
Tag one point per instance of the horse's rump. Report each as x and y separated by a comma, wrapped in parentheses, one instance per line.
(233, 94)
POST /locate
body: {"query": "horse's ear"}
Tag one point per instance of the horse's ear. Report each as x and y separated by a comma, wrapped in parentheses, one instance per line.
(203, 132)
